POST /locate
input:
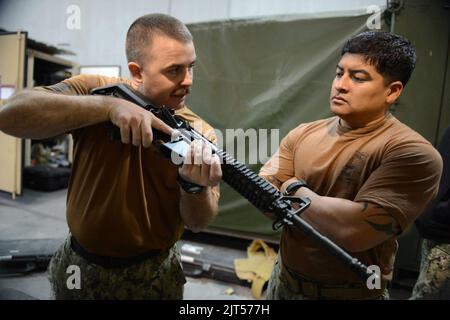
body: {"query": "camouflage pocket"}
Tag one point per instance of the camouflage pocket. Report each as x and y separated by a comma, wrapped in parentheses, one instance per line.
(439, 261)
(434, 276)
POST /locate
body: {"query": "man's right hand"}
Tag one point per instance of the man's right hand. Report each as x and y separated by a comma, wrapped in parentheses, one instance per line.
(135, 123)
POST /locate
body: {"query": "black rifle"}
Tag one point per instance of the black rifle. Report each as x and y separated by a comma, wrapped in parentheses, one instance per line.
(255, 189)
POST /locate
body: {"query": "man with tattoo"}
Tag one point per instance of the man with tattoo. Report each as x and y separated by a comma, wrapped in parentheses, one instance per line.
(367, 174)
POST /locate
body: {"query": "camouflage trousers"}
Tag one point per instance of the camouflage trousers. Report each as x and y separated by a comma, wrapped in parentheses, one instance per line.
(434, 275)
(73, 277)
(280, 288)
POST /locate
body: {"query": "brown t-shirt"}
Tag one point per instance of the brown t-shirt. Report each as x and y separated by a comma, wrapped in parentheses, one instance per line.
(385, 163)
(122, 200)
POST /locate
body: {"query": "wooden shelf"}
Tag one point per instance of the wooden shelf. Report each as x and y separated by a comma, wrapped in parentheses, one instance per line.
(21, 66)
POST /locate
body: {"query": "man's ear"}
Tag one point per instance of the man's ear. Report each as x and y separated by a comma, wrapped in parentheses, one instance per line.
(135, 71)
(394, 90)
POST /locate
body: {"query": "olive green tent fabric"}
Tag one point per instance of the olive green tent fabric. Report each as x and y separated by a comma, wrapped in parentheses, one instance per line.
(264, 74)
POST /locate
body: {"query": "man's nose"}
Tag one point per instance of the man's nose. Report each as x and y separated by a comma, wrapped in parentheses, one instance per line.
(341, 84)
(187, 79)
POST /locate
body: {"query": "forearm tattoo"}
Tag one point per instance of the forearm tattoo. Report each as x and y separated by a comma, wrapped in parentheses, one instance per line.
(380, 220)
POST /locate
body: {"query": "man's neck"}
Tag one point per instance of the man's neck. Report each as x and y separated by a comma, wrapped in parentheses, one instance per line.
(355, 124)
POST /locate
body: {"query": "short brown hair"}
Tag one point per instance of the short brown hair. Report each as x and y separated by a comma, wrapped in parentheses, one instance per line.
(143, 29)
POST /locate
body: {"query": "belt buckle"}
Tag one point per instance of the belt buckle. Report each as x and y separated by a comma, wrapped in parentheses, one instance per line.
(310, 289)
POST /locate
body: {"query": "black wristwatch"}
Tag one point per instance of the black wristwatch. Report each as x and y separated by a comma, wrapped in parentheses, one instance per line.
(189, 187)
(294, 186)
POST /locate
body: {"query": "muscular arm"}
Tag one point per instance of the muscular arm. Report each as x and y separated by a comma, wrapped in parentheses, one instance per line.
(404, 182)
(37, 114)
(355, 226)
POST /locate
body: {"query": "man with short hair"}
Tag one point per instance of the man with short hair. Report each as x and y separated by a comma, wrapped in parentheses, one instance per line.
(367, 174)
(125, 206)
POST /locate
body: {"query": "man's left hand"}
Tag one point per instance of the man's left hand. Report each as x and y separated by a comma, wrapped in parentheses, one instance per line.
(200, 165)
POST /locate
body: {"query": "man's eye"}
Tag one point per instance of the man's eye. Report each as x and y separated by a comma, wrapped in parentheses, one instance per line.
(358, 79)
(173, 71)
(338, 74)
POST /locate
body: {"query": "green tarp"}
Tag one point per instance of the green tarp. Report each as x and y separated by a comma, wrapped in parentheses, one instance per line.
(264, 74)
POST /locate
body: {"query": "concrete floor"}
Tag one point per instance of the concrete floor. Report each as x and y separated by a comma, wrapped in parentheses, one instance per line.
(37, 286)
(41, 215)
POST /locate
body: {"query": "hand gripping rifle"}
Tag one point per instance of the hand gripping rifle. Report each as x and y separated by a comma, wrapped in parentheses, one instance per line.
(247, 183)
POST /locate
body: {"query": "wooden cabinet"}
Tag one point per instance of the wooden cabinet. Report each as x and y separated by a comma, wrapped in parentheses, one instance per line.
(12, 76)
(23, 63)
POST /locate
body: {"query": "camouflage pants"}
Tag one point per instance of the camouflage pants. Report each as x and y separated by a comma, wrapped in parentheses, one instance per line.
(279, 287)
(434, 276)
(73, 277)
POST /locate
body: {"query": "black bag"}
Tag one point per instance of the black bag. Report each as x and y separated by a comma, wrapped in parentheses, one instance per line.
(46, 178)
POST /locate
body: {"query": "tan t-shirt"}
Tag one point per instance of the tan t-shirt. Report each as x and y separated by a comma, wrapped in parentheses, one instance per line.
(385, 163)
(122, 200)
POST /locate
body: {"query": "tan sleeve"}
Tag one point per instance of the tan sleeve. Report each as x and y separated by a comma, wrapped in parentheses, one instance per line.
(280, 166)
(208, 132)
(81, 84)
(406, 181)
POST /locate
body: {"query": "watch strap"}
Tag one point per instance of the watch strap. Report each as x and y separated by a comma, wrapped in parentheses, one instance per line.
(189, 187)
(294, 186)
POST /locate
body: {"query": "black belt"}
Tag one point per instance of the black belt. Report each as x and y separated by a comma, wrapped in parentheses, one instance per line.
(110, 262)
